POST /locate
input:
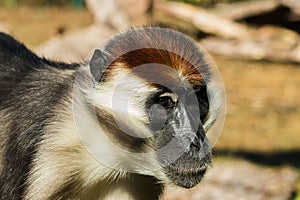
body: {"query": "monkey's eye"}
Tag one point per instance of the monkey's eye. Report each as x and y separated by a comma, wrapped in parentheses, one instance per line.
(166, 102)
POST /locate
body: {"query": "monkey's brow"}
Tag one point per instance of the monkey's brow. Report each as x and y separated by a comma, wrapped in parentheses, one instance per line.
(173, 95)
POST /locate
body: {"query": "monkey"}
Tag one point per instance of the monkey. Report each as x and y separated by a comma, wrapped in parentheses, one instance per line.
(122, 124)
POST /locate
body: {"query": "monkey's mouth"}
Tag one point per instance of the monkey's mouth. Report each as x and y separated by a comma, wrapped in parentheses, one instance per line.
(187, 173)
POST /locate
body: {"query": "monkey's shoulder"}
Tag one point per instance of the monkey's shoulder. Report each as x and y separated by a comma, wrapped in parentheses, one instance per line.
(14, 54)
(24, 74)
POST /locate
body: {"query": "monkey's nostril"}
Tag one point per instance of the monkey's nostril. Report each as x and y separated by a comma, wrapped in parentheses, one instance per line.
(196, 145)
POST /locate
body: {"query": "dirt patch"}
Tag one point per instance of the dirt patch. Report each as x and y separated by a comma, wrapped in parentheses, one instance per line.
(263, 106)
(34, 25)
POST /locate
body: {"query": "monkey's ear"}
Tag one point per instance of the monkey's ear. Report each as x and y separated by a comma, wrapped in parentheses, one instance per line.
(98, 64)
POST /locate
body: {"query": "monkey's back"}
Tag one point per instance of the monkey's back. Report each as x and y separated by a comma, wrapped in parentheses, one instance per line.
(30, 89)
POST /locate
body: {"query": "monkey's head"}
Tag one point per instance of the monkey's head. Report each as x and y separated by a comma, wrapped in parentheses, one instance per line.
(154, 100)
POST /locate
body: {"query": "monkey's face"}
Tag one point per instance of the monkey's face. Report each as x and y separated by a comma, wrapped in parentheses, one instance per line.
(159, 102)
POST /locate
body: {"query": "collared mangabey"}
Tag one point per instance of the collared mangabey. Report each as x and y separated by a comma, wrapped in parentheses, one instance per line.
(120, 125)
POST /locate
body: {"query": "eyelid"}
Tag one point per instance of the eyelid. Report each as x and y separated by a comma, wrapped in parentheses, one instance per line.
(173, 96)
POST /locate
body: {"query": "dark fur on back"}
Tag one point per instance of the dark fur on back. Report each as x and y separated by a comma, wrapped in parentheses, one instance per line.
(23, 102)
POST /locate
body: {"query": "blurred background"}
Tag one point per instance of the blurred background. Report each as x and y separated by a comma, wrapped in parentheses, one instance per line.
(256, 46)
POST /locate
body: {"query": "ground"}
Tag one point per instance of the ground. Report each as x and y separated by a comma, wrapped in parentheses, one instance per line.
(263, 107)
(35, 25)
